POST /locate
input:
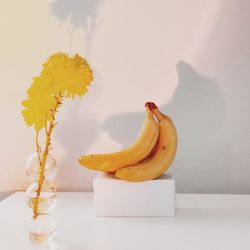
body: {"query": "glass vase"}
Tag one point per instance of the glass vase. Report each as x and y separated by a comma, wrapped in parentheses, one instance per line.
(42, 226)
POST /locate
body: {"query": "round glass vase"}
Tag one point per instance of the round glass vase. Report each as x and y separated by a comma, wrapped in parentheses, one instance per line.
(33, 165)
(42, 227)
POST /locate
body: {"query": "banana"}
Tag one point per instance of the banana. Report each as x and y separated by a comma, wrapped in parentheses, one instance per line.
(136, 152)
(162, 157)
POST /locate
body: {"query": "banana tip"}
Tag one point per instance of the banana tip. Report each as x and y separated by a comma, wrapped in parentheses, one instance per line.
(151, 105)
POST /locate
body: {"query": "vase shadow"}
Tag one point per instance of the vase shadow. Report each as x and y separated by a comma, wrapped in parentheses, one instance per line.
(56, 244)
(77, 131)
(80, 125)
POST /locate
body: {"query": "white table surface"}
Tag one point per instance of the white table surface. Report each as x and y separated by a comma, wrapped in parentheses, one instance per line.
(203, 222)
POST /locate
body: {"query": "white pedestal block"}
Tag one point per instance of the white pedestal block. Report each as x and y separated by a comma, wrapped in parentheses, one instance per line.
(114, 197)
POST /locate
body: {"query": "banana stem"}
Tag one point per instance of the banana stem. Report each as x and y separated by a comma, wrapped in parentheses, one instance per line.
(153, 108)
(158, 114)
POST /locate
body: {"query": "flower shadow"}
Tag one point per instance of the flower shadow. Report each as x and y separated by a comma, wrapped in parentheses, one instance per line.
(78, 12)
(79, 124)
(81, 14)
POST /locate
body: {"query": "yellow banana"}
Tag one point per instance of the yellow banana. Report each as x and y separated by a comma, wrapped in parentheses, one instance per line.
(142, 146)
(161, 159)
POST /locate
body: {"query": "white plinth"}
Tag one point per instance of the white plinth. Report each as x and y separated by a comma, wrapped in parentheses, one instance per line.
(114, 197)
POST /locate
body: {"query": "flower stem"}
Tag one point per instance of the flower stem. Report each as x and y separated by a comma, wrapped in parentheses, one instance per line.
(43, 162)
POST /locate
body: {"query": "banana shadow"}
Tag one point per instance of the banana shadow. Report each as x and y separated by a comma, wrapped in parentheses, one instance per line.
(197, 110)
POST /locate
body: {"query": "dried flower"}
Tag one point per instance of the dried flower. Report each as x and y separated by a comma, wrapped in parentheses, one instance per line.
(61, 76)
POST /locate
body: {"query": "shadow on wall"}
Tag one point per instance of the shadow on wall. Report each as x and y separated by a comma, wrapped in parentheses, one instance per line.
(80, 126)
(197, 109)
(81, 14)
(77, 131)
(78, 12)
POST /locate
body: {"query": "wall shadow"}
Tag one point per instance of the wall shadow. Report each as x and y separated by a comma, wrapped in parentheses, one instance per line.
(78, 12)
(81, 14)
(197, 105)
(78, 130)
(80, 126)
(197, 110)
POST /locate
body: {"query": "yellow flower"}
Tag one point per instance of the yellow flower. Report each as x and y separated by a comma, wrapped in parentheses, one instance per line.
(61, 76)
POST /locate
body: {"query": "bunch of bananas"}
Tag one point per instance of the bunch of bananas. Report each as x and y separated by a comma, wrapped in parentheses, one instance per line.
(148, 157)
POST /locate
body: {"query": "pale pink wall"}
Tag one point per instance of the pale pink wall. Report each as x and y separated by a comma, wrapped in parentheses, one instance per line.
(182, 54)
